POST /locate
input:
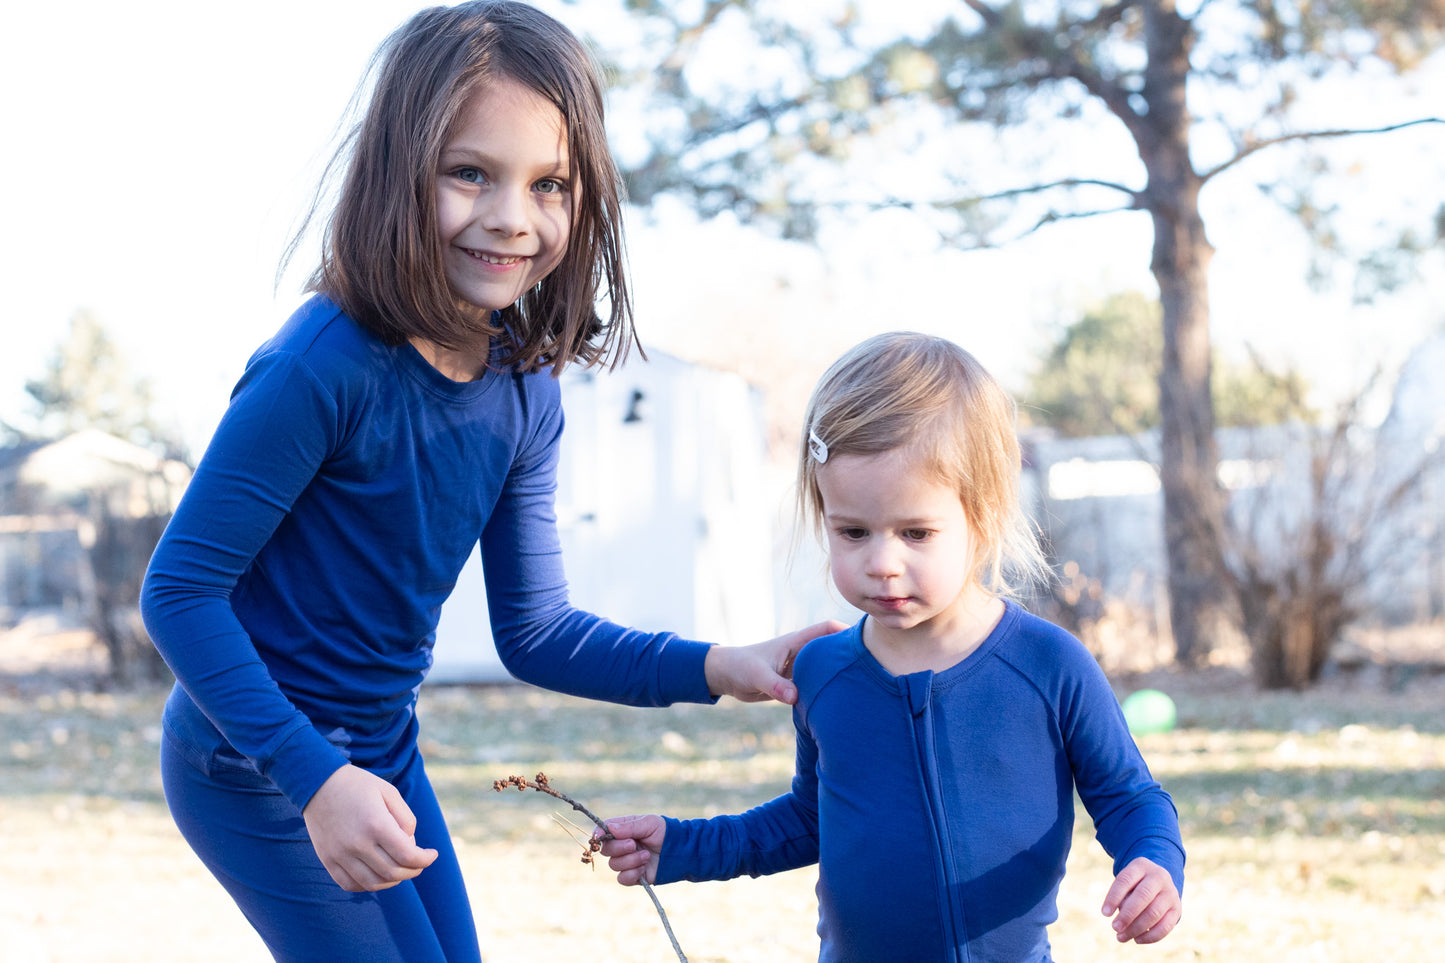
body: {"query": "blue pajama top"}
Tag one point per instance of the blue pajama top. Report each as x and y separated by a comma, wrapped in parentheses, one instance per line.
(296, 591)
(939, 807)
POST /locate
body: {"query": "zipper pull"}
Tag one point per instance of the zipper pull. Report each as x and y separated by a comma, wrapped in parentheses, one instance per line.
(918, 686)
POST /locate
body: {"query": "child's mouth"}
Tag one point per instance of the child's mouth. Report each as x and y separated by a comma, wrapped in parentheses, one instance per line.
(497, 259)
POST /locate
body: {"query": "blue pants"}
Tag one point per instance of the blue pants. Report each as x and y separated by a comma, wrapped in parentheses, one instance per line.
(254, 840)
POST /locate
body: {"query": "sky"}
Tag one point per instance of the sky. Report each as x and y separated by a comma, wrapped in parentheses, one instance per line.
(160, 154)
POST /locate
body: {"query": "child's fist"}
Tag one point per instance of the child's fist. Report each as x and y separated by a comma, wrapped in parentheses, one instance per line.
(1144, 903)
(631, 852)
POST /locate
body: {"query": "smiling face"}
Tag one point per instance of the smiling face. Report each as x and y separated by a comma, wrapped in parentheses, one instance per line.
(901, 550)
(504, 197)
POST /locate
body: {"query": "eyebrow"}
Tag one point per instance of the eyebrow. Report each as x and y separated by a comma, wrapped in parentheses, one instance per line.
(922, 521)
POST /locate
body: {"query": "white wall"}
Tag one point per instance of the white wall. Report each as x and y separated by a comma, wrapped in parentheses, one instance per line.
(1099, 498)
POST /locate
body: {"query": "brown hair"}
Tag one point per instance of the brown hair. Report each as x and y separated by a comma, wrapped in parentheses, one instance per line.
(928, 396)
(381, 258)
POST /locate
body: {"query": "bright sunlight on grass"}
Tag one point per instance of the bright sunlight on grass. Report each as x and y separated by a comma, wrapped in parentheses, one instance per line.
(1315, 825)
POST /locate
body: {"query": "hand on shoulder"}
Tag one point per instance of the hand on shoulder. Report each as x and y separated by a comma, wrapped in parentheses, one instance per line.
(754, 673)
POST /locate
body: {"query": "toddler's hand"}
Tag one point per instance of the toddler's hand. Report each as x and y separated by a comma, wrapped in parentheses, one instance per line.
(363, 831)
(1144, 902)
(631, 852)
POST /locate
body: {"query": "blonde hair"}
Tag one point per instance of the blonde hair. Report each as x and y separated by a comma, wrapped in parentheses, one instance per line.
(927, 395)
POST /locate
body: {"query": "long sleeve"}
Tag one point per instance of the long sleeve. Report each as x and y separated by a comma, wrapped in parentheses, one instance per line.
(259, 461)
(940, 805)
(297, 590)
(1133, 815)
(780, 835)
(540, 637)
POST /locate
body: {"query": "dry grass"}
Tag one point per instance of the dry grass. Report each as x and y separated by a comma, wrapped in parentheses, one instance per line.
(1315, 825)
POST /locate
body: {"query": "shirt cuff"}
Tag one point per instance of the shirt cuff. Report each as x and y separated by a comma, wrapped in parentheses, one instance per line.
(303, 763)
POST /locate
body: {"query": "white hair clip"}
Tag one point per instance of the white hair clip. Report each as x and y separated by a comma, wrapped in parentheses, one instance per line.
(816, 448)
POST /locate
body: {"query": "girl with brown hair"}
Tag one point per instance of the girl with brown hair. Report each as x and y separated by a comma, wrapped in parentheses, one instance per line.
(406, 411)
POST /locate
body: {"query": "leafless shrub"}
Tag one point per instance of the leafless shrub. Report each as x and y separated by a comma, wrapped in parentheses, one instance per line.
(1324, 511)
(1120, 629)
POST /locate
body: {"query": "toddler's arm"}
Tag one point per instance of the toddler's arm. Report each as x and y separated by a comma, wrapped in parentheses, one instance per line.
(1144, 902)
(633, 849)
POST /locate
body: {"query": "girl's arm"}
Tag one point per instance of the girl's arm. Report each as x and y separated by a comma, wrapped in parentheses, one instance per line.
(539, 636)
(1134, 818)
(274, 436)
(772, 838)
(779, 835)
(754, 673)
(543, 640)
(1133, 815)
(269, 445)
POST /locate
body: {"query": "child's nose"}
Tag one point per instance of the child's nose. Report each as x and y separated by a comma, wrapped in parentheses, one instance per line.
(885, 560)
(505, 213)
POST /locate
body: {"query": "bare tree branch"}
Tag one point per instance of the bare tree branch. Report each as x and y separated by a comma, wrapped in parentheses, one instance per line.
(1066, 62)
(687, 37)
(757, 111)
(1260, 145)
(991, 17)
(1114, 96)
(542, 784)
(1136, 198)
(962, 240)
(1109, 16)
(1052, 217)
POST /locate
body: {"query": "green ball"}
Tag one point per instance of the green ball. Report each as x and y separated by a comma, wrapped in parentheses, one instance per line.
(1149, 711)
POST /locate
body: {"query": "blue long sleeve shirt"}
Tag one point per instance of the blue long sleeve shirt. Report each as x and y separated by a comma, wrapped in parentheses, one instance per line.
(939, 807)
(296, 591)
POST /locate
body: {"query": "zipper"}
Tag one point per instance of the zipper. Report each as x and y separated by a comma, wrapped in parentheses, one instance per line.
(918, 692)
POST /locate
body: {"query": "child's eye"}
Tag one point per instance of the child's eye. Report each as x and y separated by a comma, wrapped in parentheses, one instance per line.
(469, 174)
(917, 534)
(550, 186)
(853, 534)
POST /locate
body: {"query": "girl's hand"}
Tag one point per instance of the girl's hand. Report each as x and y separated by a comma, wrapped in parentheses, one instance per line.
(631, 852)
(363, 831)
(1145, 901)
(752, 673)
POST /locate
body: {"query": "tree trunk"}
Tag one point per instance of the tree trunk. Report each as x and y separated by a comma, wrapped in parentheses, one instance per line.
(1189, 458)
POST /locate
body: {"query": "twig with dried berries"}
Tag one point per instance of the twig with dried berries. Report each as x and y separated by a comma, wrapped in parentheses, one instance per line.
(593, 844)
